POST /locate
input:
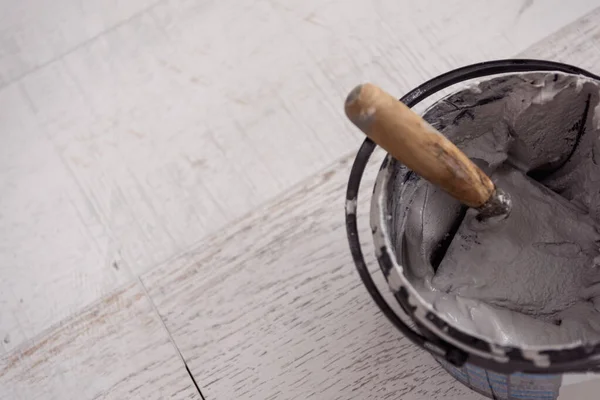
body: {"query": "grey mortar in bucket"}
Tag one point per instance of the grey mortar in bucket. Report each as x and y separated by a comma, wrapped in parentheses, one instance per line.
(545, 125)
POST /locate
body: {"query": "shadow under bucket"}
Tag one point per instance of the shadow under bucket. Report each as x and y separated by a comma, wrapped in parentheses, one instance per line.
(540, 118)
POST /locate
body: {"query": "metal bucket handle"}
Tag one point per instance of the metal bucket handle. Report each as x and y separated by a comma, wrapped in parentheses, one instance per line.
(450, 353)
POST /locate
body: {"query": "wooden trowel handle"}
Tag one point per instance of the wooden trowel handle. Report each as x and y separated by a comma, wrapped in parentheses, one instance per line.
(416, 144)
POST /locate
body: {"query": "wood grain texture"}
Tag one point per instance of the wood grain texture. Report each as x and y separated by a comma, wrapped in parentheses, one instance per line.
(34, 33)
(157, 123)
(275, 310)
(115, 349)
(272, 307)
(578, 44)
(55, 256)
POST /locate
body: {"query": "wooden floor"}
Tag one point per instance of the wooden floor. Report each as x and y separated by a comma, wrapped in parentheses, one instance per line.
(172, 177)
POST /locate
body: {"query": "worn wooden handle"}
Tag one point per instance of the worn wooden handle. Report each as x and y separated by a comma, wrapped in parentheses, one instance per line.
(418, 145)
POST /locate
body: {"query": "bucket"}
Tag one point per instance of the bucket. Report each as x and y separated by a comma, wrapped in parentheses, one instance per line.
(486, 362)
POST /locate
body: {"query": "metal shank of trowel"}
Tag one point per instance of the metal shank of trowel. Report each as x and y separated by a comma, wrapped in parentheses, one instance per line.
(419, 146)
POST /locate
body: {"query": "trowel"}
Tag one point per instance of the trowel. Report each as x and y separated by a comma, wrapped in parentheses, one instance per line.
(516, 229)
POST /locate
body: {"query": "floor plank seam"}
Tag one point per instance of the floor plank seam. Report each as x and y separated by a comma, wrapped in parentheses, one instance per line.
(193, 379)
(119, 24)
(162, 322)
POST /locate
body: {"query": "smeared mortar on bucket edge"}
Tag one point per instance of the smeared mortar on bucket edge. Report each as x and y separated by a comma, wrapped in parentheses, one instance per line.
(532, 281)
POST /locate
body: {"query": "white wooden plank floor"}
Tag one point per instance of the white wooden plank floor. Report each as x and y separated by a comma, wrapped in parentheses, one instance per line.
(130, 130)
(115, 349)
(157, 123)
(35, 33)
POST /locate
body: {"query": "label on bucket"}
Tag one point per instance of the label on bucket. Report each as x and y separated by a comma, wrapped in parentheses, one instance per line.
(517, 386)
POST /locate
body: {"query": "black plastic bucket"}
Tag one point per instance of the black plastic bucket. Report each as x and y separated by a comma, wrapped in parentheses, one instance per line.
(496, 370)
